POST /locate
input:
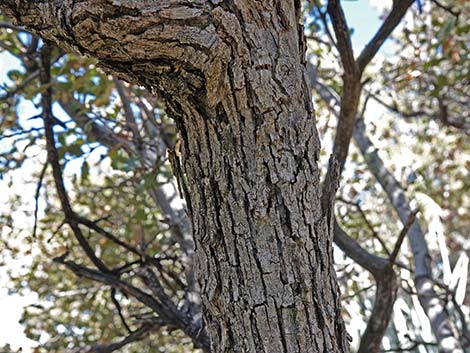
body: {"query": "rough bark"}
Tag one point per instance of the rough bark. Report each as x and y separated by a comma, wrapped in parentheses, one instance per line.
(232, 74)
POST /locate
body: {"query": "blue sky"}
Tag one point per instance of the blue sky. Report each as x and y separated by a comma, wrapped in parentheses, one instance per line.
(364, 19)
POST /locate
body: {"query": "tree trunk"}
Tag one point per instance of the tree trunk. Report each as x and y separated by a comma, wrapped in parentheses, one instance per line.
(232, 74)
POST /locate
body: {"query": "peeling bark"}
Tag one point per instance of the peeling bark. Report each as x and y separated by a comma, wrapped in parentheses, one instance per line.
(232, 75)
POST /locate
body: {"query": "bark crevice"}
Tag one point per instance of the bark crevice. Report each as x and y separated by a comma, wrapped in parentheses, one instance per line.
(232, 75)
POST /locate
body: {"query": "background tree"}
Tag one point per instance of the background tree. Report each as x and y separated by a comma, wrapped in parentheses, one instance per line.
(112, 142)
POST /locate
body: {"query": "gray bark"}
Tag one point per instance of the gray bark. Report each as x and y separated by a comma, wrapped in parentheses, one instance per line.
(232, 74)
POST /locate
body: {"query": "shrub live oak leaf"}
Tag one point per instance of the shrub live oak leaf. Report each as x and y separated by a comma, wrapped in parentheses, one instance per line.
(232, 75)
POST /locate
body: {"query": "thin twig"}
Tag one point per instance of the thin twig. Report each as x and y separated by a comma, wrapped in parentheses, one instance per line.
(368, 224)
(356, 293)
(22, 132)
(119, 310)
(36, 197)
(411, 348)
(401, 237)
(27, 80)
(135, 336)
(325, 24)
(56, 231)
(446, 8)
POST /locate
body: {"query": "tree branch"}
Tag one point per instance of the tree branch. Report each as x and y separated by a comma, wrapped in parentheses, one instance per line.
(353, 69)
(368, 224)
(180, 225)
(36, 197)
(351, 85)
(401, 237)
(101, 133)
(53, 158)
(129, 115)
(446, 8)
(372, 263)
(119, 309)
(177, 319)
(325, 23)
(342, 36)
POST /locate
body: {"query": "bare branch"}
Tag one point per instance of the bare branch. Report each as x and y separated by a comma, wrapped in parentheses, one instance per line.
(129, 114)
(385, 295)
(351, 85)
(410, 348)
(372, 263)
(401, 237)
(20, 87)
(36, 198)
(342, 36)
(439, 318)
(353, 69)
(180, 225)
(368, 224)
(325, 24)
(53, 158)
(94, 226)
(119, 310)
(177, 319)
(26, 81)
(100, 133)
(446, 8)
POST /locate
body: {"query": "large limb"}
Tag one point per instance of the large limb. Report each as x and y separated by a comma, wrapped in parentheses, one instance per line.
(232, 75)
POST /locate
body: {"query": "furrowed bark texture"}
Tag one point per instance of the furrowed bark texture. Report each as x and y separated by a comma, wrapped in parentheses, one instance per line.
(232, 74)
